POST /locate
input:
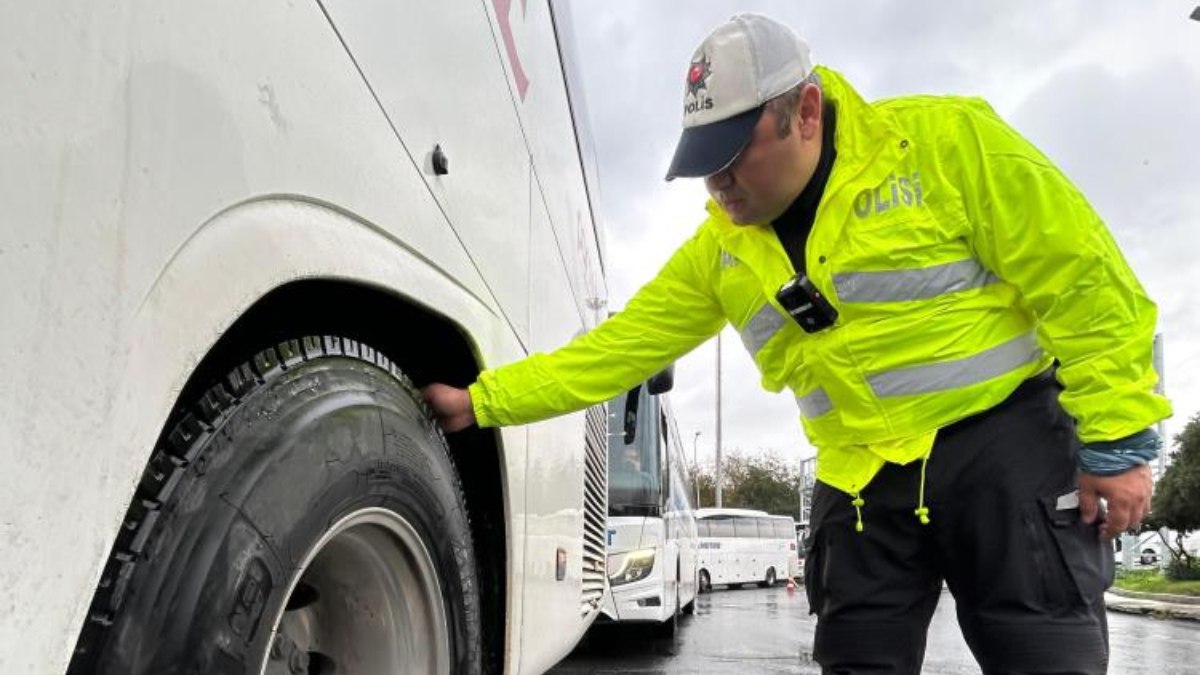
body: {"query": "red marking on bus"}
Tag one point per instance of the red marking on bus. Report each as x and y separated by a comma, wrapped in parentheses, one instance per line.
(503, 7)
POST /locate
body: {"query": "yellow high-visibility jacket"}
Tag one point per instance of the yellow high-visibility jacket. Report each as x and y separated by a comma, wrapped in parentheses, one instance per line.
(961, 262)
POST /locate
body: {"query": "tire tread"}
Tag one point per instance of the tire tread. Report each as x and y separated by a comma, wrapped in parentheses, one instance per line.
(179, 450)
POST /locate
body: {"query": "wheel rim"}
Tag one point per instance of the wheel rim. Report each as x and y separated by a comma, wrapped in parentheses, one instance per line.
(366, 599)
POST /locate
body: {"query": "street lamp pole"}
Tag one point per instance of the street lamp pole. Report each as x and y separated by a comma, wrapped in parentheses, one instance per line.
(696, 468)
(1160, 389)
(718, 471)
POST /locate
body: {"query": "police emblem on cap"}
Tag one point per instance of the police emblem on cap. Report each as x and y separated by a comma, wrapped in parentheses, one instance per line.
(697, 82)
(697, 77)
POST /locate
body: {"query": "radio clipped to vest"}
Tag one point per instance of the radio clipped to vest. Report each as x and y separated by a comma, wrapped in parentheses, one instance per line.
(806, 305)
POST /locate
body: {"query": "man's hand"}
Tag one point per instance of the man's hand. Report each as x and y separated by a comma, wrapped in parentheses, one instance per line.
(1127, 494)
(451, 406)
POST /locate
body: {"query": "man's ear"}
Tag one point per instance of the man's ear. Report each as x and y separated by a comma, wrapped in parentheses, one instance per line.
(808, 114)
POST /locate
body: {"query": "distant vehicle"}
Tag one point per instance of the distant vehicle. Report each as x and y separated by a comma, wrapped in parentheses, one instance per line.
(651, 524)
(802, 532)
(1143, 550)
(740, 546)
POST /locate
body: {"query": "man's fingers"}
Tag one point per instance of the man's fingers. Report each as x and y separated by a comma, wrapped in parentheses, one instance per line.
(451, 406)
(1123, 515)
(456, 423)
(1127, 494)
(1117, 520)
(1089, 505)
(1136, 514)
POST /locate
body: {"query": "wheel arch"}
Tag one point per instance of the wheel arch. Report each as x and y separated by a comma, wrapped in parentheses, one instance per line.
(283, 267)
(427, 347)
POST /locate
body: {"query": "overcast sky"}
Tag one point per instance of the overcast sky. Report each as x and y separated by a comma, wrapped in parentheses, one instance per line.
(1108, 89)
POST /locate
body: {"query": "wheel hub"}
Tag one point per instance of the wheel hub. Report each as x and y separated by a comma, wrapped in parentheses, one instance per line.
(366, 600)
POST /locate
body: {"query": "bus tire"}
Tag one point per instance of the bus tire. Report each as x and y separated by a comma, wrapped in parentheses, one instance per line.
(667, 629)
(298, 502)
(690, 608)
(769, 582)
(705, 582)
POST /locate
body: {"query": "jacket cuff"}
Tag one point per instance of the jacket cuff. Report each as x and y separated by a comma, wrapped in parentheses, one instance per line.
(481, 402)
(1109, 458)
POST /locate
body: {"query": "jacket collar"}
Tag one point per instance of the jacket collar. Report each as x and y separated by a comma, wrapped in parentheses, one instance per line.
(869, 143)
(863, 129)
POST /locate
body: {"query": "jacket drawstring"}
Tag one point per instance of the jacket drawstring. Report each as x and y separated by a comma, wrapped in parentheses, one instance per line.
(858, 504)
(922, 511)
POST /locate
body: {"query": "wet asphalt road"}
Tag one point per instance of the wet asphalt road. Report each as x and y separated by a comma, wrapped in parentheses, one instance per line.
(767, 631)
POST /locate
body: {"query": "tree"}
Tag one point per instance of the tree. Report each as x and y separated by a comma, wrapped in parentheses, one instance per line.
(1176, 503)
(763, 482)
(708, 487)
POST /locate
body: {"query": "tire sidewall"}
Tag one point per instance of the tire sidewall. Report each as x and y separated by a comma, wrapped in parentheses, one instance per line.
(327, 438)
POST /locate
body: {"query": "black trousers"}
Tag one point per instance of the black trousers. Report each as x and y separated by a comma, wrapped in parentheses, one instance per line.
(1027, 576)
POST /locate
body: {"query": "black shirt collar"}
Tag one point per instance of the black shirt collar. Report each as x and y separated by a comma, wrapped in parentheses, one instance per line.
(793, 226)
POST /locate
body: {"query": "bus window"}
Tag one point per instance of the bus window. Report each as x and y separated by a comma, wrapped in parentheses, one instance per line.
(665, 456)
(784, 529)
(721, 527)
(766, 528)
(635, 485)
(746, 528)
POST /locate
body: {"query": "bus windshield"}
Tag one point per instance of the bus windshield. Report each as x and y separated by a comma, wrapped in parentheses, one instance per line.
(634, 467)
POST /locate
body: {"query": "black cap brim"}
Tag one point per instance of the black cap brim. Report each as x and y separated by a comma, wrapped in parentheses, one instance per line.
(706, 149)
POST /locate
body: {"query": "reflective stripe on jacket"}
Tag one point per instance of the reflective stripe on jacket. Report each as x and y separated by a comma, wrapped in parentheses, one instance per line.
(961, 262)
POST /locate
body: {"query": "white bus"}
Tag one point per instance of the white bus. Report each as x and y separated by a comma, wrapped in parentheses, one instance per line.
(236, 236)
(740, 546)
(652, 541)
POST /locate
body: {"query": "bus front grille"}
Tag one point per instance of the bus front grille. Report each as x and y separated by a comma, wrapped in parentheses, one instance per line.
(595, 494)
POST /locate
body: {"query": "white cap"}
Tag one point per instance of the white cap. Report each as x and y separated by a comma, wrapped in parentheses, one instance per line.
(742, 64)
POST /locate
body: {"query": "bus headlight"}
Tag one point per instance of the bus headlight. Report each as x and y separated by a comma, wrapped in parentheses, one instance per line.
(624, 568)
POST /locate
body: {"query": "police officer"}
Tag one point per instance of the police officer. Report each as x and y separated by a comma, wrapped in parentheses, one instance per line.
(970, 353)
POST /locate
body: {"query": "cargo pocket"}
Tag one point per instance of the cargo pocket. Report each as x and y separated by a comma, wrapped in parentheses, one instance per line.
(814, 576)
(1074, 565)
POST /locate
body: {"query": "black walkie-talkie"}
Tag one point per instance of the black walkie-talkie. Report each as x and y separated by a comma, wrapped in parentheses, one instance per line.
(806, 304)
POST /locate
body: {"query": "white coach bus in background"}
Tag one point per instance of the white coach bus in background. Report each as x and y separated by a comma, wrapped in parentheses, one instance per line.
(236, 237)
(740, 546)
(651, 524)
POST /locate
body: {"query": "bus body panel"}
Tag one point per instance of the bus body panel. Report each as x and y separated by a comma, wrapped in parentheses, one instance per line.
(553, 504)
(545, 115)
(566, 299)
(164, 168)
(652, 599)
(460, 105)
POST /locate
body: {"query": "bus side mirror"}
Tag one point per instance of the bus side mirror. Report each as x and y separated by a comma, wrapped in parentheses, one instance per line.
(662, 382)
